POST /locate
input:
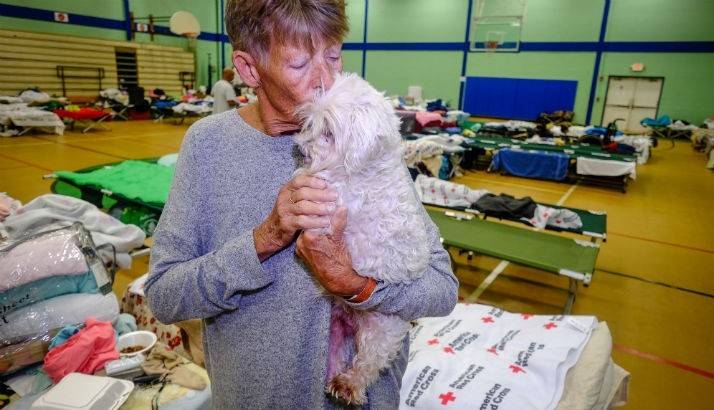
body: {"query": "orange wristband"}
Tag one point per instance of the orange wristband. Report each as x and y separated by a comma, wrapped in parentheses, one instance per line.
(365, 293)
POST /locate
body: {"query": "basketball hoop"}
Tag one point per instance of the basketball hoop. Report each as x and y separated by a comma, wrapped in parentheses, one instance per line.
(185, 24)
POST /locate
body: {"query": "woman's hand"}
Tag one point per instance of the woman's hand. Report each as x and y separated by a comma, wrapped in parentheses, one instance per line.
(303, 203)
(328, 258)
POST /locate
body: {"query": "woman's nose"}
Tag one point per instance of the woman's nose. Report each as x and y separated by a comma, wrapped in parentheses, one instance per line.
(325, 77)
(328, 78)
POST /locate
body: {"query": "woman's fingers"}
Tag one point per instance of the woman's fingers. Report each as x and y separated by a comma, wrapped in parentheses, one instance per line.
(310, 203)
(313, 195)
(308, 181)
(303, 222)
(314, 208)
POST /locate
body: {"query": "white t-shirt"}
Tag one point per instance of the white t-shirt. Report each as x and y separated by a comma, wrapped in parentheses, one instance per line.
(222, 92)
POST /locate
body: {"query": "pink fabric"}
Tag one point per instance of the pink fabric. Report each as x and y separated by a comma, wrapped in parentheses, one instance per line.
(8, 205)
(426, 117)
(85, 352)
(4, 210)
(39, 258)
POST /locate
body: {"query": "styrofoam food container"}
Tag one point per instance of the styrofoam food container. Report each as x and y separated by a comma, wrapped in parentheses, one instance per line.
(140, 337)
(78, 391)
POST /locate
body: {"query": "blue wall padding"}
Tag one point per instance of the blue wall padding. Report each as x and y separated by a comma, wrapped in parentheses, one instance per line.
(517, 98)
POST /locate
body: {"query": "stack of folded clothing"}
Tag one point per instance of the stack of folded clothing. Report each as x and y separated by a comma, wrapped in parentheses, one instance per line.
(48, 281)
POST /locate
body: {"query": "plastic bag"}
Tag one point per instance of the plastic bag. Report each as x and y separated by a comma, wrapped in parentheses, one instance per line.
(48, 281)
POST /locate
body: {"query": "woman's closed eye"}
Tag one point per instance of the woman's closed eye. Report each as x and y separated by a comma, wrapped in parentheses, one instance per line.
(298, 64)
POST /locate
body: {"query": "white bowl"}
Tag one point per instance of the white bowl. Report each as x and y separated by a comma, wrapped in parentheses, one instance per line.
(140, 337)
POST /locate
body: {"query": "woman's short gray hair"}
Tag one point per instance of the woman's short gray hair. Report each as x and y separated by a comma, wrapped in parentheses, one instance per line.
(253, 24)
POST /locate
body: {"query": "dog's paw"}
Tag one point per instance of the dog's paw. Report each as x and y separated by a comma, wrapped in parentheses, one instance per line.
(343, 389)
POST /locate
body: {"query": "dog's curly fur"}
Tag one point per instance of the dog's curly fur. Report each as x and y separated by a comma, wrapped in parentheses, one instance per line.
(350, 137)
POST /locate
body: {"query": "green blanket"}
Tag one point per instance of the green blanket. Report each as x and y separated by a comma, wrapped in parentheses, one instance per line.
(140, 180)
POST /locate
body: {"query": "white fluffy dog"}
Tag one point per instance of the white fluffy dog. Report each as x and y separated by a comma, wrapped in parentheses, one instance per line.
(350, 138)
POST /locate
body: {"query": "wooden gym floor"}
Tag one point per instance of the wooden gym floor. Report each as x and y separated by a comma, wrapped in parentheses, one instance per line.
(654, 283)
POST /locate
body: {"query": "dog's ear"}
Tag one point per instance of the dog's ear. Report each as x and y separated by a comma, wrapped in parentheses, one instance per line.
(370, 131)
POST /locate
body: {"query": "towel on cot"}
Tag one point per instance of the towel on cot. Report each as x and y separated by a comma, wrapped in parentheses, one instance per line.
(532, 164)
(483, 357)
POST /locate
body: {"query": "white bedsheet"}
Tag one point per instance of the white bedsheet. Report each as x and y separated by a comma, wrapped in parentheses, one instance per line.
(480, 357)
(438, 192)
(200, 108)
(512, 125)
(605, 167)
(21, 115)
(642, 144)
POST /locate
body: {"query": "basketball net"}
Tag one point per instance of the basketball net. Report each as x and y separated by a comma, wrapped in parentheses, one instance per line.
(491, 46)
(191, 40)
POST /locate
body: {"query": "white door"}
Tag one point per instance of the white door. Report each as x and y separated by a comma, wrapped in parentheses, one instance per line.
(631, 99)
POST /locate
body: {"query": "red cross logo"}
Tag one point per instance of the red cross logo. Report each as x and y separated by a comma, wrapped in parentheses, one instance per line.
(526, 316)
(550, 325)
(516, 369)
(432, 342)
(487, 319)
(493, 350)
(446, 398)
(448, 349)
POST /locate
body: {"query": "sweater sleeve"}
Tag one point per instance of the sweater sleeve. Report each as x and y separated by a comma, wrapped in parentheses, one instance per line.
(185, 282)
(434, 294)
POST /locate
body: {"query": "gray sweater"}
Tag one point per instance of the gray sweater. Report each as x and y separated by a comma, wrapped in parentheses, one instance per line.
(266, 324)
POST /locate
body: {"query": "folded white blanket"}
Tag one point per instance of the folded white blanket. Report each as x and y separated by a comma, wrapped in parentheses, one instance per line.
(58, 312)
(484, 357)
(54, 254)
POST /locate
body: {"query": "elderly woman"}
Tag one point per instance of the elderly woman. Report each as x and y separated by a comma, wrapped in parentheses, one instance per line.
(229, 250)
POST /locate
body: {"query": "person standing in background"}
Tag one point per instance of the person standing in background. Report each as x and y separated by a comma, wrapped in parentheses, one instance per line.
(224, 96)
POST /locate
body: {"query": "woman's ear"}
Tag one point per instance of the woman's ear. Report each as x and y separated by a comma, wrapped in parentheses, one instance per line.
(247, 68)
